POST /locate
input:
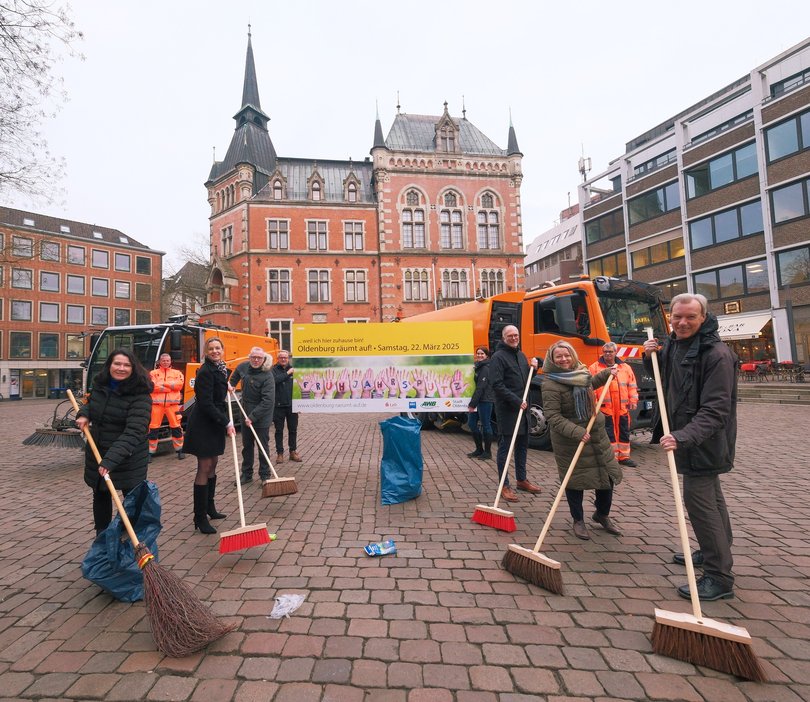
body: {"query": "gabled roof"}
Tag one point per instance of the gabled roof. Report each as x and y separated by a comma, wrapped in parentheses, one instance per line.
(20, 219)
(418, 133)
(298, 171)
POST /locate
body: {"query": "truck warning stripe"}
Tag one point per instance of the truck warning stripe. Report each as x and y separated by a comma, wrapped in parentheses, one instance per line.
(626, 352)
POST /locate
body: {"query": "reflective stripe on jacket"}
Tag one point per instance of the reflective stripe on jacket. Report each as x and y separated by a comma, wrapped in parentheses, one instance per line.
(623, 389)
(168, 386)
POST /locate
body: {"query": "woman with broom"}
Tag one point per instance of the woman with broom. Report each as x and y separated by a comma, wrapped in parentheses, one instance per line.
(568, 403)
(206, 430)
(118, 412)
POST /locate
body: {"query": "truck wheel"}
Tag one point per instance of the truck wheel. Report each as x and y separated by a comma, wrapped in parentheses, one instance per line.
(539, 433)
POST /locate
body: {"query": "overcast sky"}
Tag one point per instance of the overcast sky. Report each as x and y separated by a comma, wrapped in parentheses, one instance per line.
(161, 81)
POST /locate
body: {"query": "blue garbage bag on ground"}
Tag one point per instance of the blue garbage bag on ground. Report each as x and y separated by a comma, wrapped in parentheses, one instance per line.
(401, 466)
(110, 562)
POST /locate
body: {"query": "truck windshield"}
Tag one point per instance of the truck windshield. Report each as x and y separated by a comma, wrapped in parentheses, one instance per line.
(628, 316)
(144, 343)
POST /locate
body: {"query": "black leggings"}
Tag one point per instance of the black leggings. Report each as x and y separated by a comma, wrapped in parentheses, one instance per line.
(102, 509)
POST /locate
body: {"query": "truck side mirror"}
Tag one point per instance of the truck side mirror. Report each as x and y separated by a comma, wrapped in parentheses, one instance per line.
(175, 340)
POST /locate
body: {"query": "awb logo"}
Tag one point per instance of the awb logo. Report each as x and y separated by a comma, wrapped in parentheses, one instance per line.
(429, 403)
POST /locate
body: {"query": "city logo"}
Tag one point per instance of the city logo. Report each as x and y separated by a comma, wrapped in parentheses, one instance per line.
(411, 405)
(448, 403)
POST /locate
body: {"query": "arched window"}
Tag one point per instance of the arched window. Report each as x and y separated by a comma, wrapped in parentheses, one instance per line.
(450, 200)
(489, 224)
(486, 201)
(416, 285)
(413, 222)
(316, 190)
(491, 282)
(278, 190)
(352, 192)
(451, 223)
(412, 198)
(454, 284)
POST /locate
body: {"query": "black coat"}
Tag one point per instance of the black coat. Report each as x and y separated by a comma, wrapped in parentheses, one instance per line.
(703, 420)
(258, 391)
(483, 386)
(508, 372)
(284, 386)
(119, 424)
(205, 430)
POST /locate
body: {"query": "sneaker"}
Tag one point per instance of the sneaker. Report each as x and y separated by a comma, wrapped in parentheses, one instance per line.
(697, 558)
(708, 590)
(509, 494)
(526, 486)
(629, 462)
(581, 530)
(607, 523)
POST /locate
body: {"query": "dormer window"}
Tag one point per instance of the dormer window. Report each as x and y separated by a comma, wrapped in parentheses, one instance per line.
(448, 139)
(316, 191)
(278, 190)
(351, 192)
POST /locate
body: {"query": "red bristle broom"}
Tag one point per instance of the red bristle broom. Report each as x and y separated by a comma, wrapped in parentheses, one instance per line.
(180, 623)
(503, 519)
(245, 536)
(691, 637)
(533, 565)
(275, 486)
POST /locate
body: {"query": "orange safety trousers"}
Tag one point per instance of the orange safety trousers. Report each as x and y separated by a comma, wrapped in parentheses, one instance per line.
(170, 410)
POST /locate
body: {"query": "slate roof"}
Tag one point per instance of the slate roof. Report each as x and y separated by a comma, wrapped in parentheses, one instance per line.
(249, 144)
(77, 230)
(418, 133)
(297, 172)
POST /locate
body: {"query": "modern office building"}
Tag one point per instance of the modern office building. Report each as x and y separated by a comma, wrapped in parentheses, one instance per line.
(62, 280)
(431, 218)
(716, 200)
(555, 256)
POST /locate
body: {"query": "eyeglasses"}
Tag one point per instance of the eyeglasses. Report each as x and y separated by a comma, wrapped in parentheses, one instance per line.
(256, 358)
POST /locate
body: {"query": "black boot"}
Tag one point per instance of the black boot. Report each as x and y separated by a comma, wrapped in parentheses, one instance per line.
(479, 447)
(200, 505)
(212, 510)
(486, 454)
(181, 456)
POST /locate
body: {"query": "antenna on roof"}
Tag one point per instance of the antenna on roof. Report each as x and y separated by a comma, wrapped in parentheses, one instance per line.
(215, 154)
(397, 101)
(584, 165)
(463, 108)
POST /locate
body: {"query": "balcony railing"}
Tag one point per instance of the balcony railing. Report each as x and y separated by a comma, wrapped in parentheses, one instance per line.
(215, 307)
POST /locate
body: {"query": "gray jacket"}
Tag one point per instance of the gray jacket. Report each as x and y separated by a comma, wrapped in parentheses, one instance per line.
(258, 391)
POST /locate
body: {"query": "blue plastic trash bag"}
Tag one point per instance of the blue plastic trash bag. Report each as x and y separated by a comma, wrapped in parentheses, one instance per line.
(110, 562)
(401, 467)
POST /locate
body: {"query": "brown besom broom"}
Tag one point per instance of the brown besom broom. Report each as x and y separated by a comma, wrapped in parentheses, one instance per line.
(532, 565)
(691, 637)
(275, 486)
(180, 623)
(248, 535)
(493, 516)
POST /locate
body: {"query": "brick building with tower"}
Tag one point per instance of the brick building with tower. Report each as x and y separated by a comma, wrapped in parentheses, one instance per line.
(431, 218)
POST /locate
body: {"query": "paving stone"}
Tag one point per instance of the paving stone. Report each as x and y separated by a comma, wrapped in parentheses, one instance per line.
(171, 688)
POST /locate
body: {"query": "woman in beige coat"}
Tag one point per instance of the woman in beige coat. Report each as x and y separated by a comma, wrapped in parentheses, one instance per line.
(568, 404)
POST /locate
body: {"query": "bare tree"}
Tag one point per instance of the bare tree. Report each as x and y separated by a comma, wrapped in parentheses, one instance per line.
(34, 36)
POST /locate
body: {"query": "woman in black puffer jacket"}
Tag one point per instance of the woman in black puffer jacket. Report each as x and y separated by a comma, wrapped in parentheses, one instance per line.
(118, 411)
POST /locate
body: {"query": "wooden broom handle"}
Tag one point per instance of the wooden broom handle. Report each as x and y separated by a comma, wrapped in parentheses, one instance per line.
(514, 438)
(573, 464)
(133, 537)
(673, 476)
(236, 469)
(255, 435)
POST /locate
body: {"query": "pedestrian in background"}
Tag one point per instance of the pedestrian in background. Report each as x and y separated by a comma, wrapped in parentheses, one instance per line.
(569, 403)
(480, 407)
(620, 400)
(117, 412)
(509, 371)
(258, 401)
(167, 397)
(206, 430)
(699, 378)
(283, 412)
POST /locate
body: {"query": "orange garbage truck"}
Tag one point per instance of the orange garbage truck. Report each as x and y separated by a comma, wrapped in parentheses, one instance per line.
(587, 313)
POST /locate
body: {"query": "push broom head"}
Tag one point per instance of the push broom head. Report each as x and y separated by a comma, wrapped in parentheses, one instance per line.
(244, 537)
(534, 567)
(276, 487)
(56, 438)
(500, 519)
(706, 642)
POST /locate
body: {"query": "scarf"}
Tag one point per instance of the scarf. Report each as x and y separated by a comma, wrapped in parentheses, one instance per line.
(579, 379)
(220, 366)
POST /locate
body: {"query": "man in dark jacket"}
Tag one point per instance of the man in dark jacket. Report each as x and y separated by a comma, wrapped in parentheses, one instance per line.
(283, 375)
(509, 371)
(699, 377)
(258, 400)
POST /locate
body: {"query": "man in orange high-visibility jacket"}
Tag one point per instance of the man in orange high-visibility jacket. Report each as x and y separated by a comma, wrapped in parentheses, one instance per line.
(166, 398)
(622, 398)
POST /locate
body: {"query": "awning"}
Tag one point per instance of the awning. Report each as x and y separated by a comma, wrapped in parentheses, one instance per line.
(740, 326)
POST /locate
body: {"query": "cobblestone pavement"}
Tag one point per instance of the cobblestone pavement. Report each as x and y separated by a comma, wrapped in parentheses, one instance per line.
(440, 621)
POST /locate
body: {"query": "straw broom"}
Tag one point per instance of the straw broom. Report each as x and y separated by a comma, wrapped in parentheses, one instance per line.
(691, 637)
(245, 536)
(181, 624)
(503, 519)
(533, 565)
(275, 486)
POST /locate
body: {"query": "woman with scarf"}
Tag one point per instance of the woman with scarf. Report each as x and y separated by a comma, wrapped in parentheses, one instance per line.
(568, 404)
(207, 428)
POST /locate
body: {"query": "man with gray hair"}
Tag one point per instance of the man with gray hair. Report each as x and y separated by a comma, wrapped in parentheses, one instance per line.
(699, 375)
(258, 400)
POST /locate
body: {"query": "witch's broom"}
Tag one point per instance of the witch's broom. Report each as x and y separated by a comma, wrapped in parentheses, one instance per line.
(493, 516)
(691, 637)
(275, 486)
(533, 565)
(180, 623)
(245, 536)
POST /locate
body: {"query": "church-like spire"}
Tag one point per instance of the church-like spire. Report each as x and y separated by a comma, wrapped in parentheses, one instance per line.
(379, 141)
(250, 90)
(512, 147)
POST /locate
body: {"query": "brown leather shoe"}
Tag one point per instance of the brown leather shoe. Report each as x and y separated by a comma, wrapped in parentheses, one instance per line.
(581, 531)
(279, 458)
(295, 457)
(509, 494)
(607, 523)
(529, 487)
